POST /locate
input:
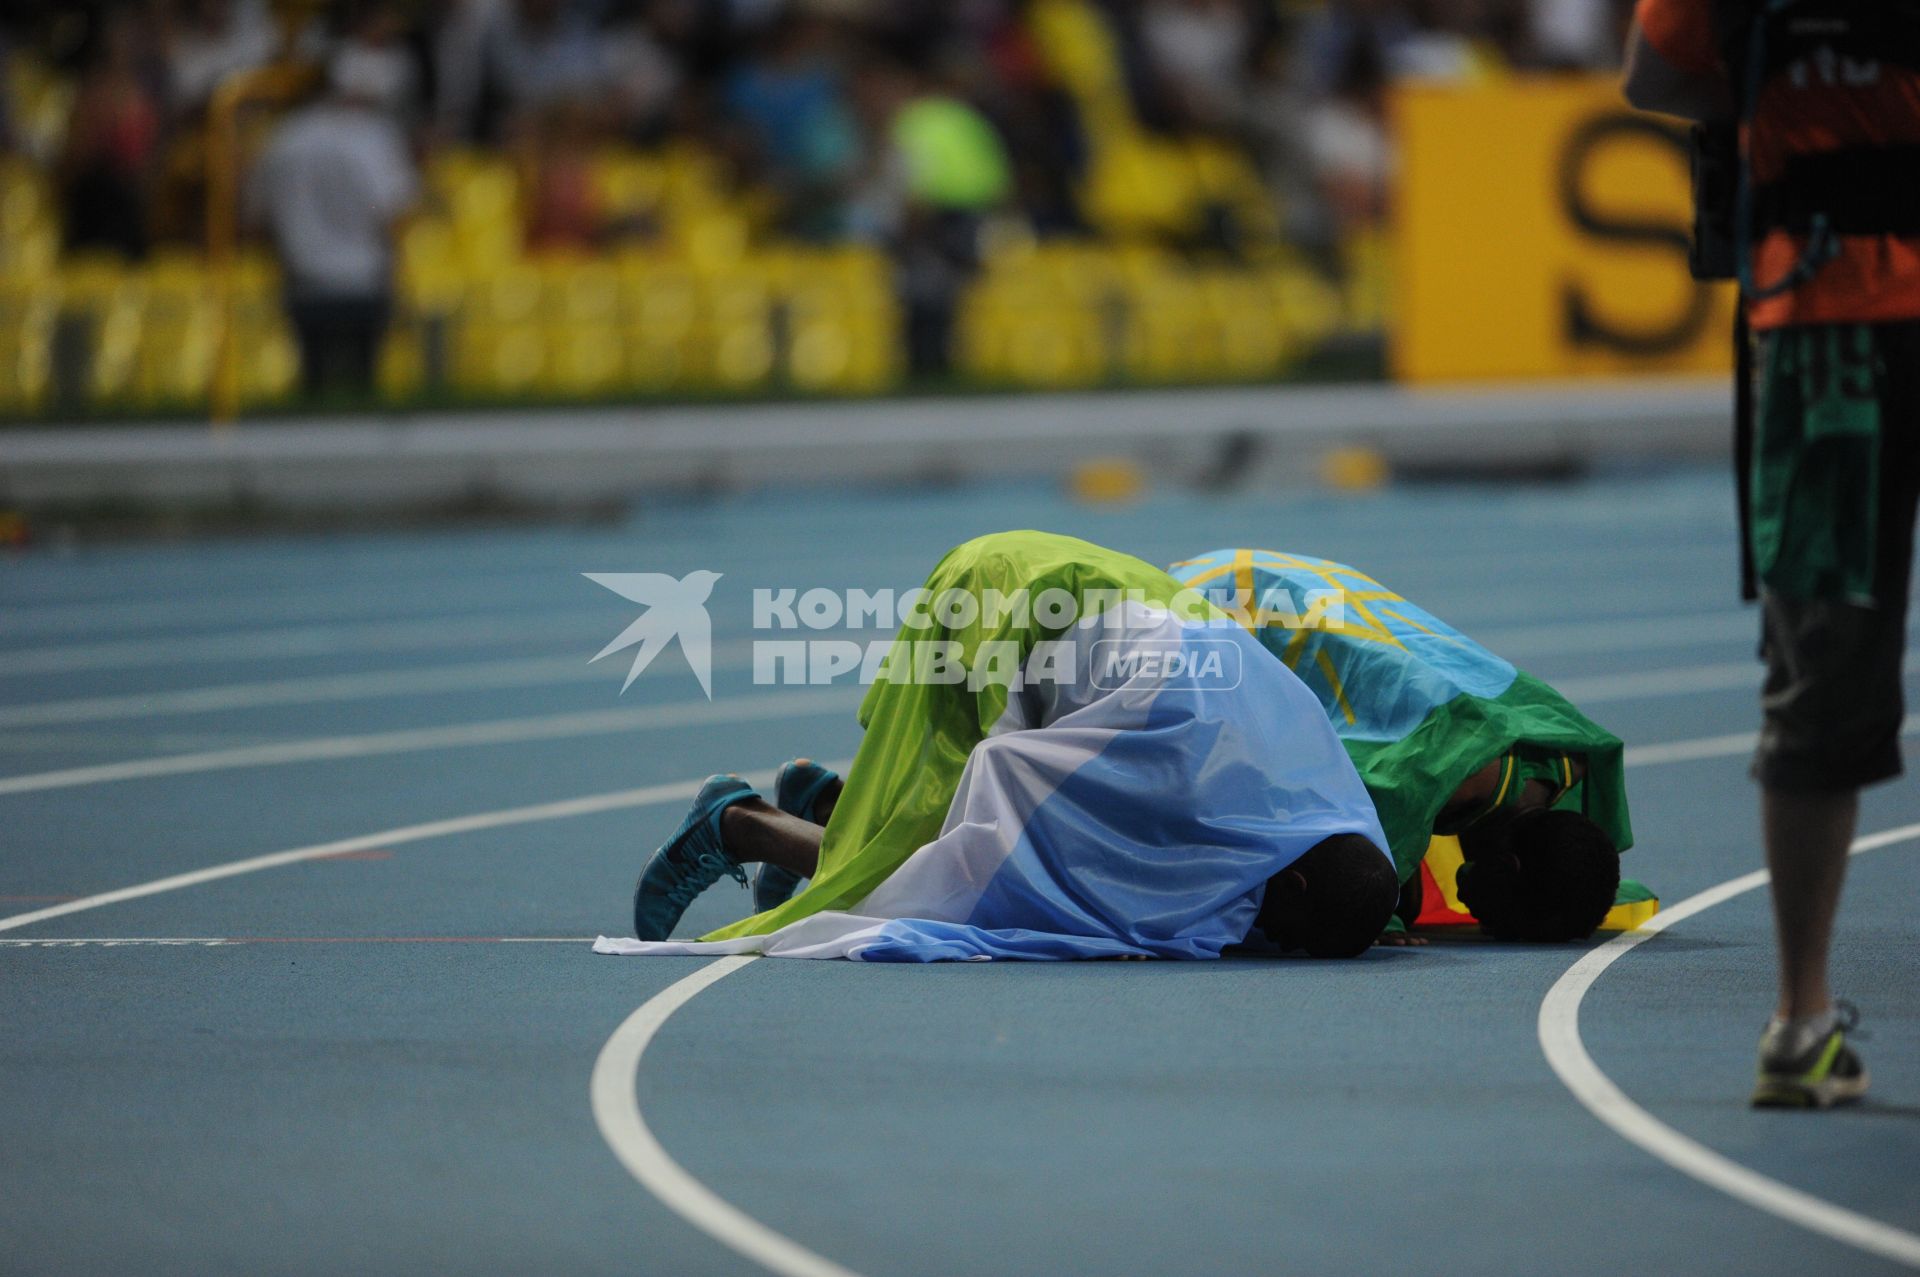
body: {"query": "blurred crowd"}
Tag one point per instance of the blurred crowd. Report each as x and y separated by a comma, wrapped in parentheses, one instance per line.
(907, 124)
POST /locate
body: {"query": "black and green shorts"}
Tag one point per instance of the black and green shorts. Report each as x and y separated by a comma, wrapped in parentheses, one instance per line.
(1836, 472)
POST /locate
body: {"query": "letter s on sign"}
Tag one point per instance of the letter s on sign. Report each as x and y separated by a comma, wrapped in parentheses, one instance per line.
(1585, 327)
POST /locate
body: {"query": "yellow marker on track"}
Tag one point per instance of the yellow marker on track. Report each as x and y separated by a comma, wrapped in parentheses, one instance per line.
(1109, 481)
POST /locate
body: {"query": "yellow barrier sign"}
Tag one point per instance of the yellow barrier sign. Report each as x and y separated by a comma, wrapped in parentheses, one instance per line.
(1541, 231)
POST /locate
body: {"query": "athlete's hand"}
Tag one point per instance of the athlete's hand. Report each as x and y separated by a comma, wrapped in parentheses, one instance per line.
(1399, 940)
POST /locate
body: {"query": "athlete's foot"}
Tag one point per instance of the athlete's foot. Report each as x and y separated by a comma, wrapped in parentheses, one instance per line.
(805, 789)
(689, 862)
(1807, 1063)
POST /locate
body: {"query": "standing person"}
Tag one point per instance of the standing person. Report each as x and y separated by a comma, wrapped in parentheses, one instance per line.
(331, 190)
(1826, 243)
(113, 138)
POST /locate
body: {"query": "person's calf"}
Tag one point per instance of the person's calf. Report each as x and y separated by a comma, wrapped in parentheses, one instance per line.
(756, 830)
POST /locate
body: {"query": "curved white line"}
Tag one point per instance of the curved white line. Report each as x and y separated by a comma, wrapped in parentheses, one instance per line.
(614, 1080)
(1560, 1039)
(589, 805)
(497, 732)
(616, 1110)
(615, 1105)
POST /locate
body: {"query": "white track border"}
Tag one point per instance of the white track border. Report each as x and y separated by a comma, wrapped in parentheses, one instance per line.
(1567, 1054)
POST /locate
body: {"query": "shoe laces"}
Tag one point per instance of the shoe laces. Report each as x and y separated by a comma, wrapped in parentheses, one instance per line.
(694, 877)
(1846, 1018)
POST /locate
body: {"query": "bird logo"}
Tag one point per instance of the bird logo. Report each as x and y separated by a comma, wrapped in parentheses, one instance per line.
(676, 609)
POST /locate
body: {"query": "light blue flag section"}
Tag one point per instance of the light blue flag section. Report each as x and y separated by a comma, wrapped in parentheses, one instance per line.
(1147, 779)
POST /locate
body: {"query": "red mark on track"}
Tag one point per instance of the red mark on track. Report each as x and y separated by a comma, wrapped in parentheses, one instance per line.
(358, 855)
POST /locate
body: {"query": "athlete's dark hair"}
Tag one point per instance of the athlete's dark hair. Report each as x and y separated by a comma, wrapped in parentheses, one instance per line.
(1539, 875)
(1333, 901)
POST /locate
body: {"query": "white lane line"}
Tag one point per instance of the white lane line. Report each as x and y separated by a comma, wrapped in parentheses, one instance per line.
(1602, 689)
(544, 671)
(551, 670)
(1734, 743)
(1559, 1029)
(469, 630)
(461, 735)
(212, 942)
(323, 599)
(560, 726)
(452, 631)
(616, 1110)
(466, 676)
(590, 805)
(371, 685)
(52, 620)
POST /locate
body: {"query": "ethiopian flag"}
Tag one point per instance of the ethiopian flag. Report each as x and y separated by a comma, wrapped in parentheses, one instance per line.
(1419, 706)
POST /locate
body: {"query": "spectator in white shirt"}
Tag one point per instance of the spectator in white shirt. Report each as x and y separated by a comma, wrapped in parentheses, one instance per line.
(331, 191)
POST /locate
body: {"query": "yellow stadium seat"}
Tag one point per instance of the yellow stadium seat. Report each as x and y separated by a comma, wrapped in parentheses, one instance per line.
(1141, 186)
(27, 316)
(626, 183)
(584, 359)
(402, 373)
(580, 291)
(743, 355)
(1080, 49)
(713, 239)
(499, 359)
(1306, 304)
(511, 295)
(654, 364)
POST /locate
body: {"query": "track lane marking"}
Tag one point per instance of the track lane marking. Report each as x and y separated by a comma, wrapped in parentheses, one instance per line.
(118, 942)
(552, 670)
(1559, 1033)
(615, 1099)
(600, 722)
(683, 713)
(589, 805)
(474, 630)
(462, 676)
(1728, 746)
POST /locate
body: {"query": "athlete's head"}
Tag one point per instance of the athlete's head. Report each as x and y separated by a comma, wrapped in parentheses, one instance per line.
(1539, 875)
(1333, 901)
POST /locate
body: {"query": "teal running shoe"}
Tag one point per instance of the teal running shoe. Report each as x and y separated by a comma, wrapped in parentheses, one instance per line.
(796, 787)
(689, 862)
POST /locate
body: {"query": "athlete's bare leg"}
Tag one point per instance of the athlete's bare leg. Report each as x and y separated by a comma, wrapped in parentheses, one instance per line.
(757, 830)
